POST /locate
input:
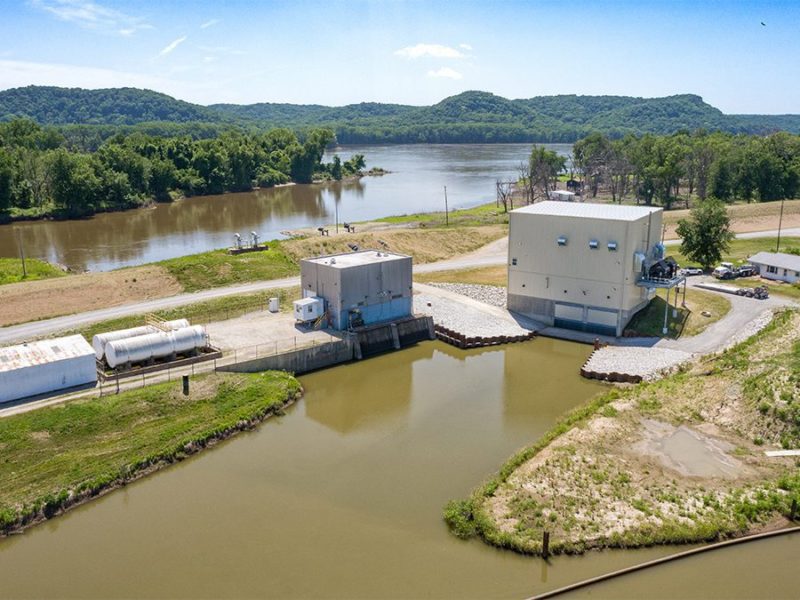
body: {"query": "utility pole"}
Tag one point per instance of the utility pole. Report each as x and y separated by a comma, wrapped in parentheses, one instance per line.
(22, 254)
(446, 215)
(336, 207)
(780, 223)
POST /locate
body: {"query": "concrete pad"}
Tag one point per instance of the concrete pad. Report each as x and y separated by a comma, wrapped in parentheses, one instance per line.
(263, 328)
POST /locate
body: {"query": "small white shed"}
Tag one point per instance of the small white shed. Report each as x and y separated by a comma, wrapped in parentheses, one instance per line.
(45, 366)
(777, 266)
(308, 309)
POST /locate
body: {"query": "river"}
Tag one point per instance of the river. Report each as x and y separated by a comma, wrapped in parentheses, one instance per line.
(418, 174)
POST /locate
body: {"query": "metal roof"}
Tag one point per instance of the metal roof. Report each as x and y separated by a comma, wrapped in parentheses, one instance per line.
(777, 259)
(587, 210)
(44, 352)
(353, 259)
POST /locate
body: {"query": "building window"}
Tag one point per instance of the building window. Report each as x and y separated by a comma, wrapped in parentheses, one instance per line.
(513, 262)
(593, 244)
(562, 240)
(785, 272)
(612, 246)
(773, 270)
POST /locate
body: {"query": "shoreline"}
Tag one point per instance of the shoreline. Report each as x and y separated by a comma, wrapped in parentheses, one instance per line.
(166, 459)
(620, 481)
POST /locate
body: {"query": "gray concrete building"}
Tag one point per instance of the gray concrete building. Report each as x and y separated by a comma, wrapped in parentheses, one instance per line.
(359, 288)
(582, 266)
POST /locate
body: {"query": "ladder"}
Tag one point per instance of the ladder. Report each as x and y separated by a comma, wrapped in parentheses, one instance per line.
(157, 322)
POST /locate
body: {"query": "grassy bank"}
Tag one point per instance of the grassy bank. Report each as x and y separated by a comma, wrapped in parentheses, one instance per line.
(56, 457)
(217, 268)
(485, 214)
(690, 321)
(11, 270)
(603, 477)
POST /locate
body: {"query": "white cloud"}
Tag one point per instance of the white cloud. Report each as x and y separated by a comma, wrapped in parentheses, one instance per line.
(171, 46)
(466, 47)
(204, 90)
(446, 72)
(14, 73)
(90, 15)
(432, 50)
(209, 23)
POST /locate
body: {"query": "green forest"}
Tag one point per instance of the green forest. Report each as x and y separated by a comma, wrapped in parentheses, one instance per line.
(88, 117)
(671, 168)
(42, 174)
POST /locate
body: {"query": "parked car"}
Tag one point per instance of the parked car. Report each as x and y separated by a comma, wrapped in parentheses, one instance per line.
(746, 271)
(689, 271)
(723, 272)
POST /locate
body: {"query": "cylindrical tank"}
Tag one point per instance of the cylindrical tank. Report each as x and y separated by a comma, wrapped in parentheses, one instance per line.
(189, 338)
(100, 340)
(154, 345)
(273, 305)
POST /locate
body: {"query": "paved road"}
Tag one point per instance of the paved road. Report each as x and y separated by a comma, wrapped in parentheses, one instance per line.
(791, 232)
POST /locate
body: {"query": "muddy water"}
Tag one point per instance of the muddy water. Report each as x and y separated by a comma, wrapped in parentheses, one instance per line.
(415, 184)
(341, 497)
(762, 569)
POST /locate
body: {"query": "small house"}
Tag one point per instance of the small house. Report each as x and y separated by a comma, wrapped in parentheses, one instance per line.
(777, 266)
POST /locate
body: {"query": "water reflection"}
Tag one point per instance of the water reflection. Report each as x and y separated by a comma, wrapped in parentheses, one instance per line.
(415, 183)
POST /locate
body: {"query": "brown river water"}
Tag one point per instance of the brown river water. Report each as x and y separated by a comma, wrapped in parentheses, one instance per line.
(342, 498)
(418, 174)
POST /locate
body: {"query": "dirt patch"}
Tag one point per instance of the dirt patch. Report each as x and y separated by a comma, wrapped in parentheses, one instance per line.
(424, 245)
(48, 298)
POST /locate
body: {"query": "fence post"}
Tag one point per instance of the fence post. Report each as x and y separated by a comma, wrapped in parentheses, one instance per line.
(545, 545)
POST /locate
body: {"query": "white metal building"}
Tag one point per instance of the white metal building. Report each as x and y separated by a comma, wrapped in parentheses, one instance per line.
(581, 265)
(359, 287)
(45, 366)
(777, 266)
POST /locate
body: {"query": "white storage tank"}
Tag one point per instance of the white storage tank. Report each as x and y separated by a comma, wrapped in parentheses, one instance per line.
(100, 340)
(308, 309)
(155, 345)
(45, 366)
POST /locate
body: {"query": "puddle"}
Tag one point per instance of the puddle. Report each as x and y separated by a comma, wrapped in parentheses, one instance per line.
(688, 452)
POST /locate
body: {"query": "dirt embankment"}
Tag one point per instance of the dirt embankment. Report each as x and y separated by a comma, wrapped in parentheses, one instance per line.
(679, 460)
(425, 245)
(746, 218)
(47, 298)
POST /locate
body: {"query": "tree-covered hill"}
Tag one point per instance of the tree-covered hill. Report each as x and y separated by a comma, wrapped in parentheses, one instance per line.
(472, 116)
(116, 106)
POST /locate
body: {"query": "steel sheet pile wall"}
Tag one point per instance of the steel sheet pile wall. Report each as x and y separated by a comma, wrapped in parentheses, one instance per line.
(45, 366)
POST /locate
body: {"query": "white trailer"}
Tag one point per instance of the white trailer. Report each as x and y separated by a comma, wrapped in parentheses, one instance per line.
(308, 309)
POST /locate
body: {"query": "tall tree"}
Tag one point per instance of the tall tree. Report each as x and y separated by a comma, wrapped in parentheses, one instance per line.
(706, 234)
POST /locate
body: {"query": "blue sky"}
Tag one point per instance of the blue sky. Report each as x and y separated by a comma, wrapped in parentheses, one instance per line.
(409, 52)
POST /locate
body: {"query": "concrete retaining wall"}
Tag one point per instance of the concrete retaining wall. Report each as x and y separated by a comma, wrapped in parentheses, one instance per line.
(298, 361)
